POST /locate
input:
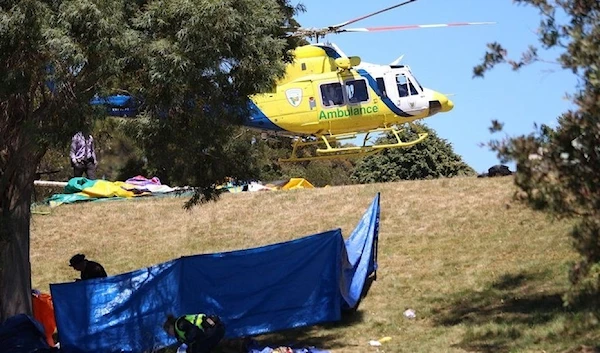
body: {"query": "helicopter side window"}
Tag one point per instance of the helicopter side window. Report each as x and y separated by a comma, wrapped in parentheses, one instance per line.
(381, 86)
(402, 84)
(357, 91)
(331, 94)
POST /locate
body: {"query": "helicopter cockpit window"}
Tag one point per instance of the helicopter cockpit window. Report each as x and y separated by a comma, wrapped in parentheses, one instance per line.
(413, 90)
(331, 94)
(403, 84)
(414, 79)
(357, 91)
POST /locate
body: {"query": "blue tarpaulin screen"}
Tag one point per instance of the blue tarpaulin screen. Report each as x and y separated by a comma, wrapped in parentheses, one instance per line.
(22, 333)
(291, 284)
(118, 105)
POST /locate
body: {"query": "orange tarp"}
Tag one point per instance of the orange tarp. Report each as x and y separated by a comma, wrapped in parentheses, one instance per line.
(43, 311)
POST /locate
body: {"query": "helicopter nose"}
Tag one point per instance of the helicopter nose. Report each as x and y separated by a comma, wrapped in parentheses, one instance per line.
(439, 103)
(448, 106)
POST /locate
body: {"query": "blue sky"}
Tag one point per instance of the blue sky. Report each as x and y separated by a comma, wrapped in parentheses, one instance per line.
(443, 59)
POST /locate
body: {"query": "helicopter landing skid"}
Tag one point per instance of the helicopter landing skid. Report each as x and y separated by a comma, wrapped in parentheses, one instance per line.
(330, 152)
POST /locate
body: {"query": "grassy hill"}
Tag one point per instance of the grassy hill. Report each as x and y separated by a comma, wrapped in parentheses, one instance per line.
(482, 273)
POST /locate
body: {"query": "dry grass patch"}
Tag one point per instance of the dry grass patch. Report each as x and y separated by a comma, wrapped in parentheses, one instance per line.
(483, 274)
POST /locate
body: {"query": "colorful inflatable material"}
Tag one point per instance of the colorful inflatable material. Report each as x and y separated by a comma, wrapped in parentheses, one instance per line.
(287, 184)
(297, 183)
(82, 189)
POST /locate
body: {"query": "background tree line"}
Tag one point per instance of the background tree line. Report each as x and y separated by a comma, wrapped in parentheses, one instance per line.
(121, 156)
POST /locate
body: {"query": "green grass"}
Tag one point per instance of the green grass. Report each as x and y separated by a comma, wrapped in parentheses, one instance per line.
(482, 273)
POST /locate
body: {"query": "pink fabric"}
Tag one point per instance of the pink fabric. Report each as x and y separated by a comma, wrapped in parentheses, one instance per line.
(143, 181)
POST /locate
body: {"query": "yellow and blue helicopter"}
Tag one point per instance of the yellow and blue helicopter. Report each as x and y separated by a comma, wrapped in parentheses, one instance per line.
(327, 97)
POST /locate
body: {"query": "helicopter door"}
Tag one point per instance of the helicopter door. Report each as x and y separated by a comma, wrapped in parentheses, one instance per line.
(403, 93)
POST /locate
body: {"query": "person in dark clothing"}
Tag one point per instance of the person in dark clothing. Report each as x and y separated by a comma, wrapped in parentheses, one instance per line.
(89, 269)
(83, 155)
(201, 333)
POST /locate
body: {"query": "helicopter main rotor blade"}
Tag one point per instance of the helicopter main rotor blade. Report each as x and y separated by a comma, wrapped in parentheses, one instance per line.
(407, 27)
(340, 25)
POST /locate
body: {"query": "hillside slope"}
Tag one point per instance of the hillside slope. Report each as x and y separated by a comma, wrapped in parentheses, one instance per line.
(481, 272)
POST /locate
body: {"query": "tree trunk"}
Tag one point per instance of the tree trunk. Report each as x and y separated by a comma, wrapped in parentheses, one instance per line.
(15, 202)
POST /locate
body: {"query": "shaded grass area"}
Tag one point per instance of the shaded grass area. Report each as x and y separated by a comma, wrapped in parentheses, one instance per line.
(482, 273)
(507, 301)
(515, 314)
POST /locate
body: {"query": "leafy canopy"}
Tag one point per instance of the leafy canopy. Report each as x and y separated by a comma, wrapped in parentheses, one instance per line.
(558, 170)
(192, 63)
(203, 60)
(432, 158)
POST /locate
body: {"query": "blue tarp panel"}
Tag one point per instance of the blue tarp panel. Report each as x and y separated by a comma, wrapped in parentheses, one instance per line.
(119, 100)
(117, 105)
(119, 313)
(270, 288)
(361, 250)
(291, 284)
(22, 334)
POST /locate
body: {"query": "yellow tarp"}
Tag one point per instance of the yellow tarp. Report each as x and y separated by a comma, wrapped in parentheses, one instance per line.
(103, 188)
(297, 183)
(82, 189)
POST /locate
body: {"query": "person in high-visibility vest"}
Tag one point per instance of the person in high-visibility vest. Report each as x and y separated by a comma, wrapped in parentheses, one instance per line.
(201, 333)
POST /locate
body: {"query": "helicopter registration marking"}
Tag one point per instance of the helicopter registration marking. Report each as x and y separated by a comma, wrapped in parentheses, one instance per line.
(345, 113)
